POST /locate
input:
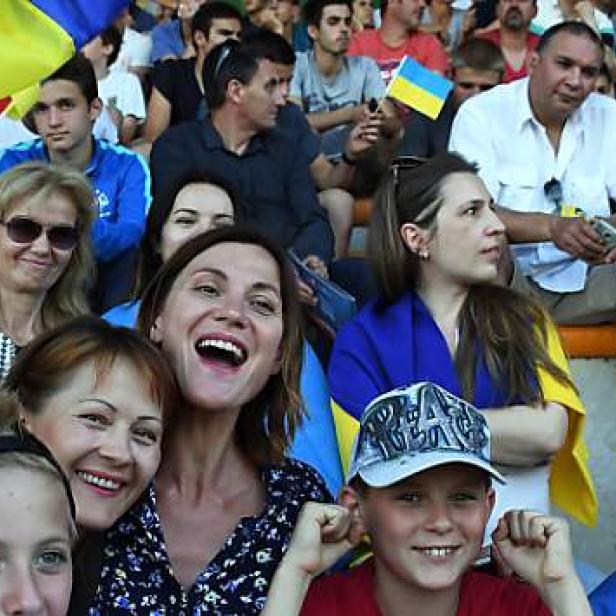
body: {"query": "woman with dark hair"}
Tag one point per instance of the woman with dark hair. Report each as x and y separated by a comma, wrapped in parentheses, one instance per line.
(436, 243)
(208, 535)
(195, 202)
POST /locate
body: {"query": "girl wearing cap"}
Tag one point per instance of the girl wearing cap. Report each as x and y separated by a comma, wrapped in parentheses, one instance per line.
(35, 547)
(442, 316)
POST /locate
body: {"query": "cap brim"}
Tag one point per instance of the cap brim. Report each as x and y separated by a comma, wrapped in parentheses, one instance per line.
(384, 474)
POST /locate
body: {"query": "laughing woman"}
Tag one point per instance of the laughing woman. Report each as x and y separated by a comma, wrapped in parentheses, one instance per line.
(208, 535)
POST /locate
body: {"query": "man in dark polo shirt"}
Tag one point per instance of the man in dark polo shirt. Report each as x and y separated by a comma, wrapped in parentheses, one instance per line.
(236, 141)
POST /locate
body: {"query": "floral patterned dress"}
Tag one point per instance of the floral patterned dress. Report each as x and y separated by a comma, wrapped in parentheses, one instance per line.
(137, 577)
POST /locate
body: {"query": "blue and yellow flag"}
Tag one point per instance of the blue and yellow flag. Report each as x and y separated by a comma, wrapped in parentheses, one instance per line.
(38, 36)
(419, 88)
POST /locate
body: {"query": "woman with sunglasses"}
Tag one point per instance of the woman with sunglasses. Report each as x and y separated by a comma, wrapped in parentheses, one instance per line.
(442, 316)
(46, 263)
(209, 533)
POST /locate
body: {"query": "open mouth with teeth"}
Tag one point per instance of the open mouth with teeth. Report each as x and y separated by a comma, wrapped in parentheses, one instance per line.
(437, 552)
(101, 483)
(221, 351)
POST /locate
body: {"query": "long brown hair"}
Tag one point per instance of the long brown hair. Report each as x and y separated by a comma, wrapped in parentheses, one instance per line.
(266, 424)
(508, 330)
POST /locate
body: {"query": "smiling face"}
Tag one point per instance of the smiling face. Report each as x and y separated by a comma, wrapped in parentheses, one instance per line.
(34, 267)
(105, 431)
(221, 326)
(427, 530)
(465, 247)
(563, 76)
(197, 208)
(35, 548)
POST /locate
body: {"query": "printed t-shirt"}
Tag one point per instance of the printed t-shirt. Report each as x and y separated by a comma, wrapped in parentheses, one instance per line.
(423, 47)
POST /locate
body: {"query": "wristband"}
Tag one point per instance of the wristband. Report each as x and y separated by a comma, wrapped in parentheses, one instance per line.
(348, 161)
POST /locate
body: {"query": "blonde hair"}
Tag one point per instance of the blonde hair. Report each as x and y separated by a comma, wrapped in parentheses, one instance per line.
(68, 296)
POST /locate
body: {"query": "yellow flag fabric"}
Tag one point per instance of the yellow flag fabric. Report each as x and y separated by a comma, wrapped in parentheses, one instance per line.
(571, 485)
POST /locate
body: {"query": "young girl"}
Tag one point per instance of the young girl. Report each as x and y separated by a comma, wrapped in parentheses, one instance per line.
(37, 525)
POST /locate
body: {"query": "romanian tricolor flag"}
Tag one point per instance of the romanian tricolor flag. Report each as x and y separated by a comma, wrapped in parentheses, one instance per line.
(38, 36)
(417, 87)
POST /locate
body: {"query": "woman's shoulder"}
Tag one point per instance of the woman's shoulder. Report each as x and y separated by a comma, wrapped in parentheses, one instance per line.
(293, 478)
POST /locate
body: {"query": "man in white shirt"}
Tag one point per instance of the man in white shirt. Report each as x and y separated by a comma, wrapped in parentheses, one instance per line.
(546, 147)
(120, 91)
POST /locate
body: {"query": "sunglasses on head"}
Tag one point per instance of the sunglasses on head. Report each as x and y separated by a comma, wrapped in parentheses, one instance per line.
(23, 230)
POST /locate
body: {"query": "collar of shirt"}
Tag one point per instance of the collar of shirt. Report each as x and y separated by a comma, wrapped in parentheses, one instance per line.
(213, 140)
(525, 113)
(95, 161)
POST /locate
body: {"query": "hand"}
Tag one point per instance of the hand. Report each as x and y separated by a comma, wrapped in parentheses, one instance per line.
(536, 546)
(322, 535)
(577, 237)
(116, 116)
(306, 294)
(363, 136)
(316, 265)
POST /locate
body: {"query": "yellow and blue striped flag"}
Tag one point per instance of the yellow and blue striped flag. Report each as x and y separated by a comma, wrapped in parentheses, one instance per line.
(419, 88)
(39, 36)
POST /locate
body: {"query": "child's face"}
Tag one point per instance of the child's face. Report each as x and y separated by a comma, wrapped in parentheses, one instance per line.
(428, 529)
(35, 544)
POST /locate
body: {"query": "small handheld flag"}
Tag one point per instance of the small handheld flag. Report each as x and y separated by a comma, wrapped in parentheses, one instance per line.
(417, 87)
(39, 36)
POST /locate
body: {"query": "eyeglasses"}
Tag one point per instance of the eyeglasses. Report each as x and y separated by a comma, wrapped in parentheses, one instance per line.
(23, 230)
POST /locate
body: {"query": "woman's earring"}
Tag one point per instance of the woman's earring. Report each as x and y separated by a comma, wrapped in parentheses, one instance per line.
(424, 254)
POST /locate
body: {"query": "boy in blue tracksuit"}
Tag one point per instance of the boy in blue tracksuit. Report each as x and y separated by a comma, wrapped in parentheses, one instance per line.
(64, 114)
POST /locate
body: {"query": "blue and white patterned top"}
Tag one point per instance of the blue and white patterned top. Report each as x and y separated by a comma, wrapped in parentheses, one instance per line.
(137, 577)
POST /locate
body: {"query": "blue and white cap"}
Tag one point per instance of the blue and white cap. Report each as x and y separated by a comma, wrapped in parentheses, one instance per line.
(412, 429)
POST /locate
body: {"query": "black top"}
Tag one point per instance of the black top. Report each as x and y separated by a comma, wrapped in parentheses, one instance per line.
(270, 175)
(137, 576)
(176, 81)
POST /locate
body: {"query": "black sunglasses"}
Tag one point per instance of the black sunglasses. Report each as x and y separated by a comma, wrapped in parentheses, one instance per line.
(23, 230)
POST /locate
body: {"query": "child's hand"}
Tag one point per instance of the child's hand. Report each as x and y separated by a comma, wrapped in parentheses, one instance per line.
(322, 535)
(536, 546)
